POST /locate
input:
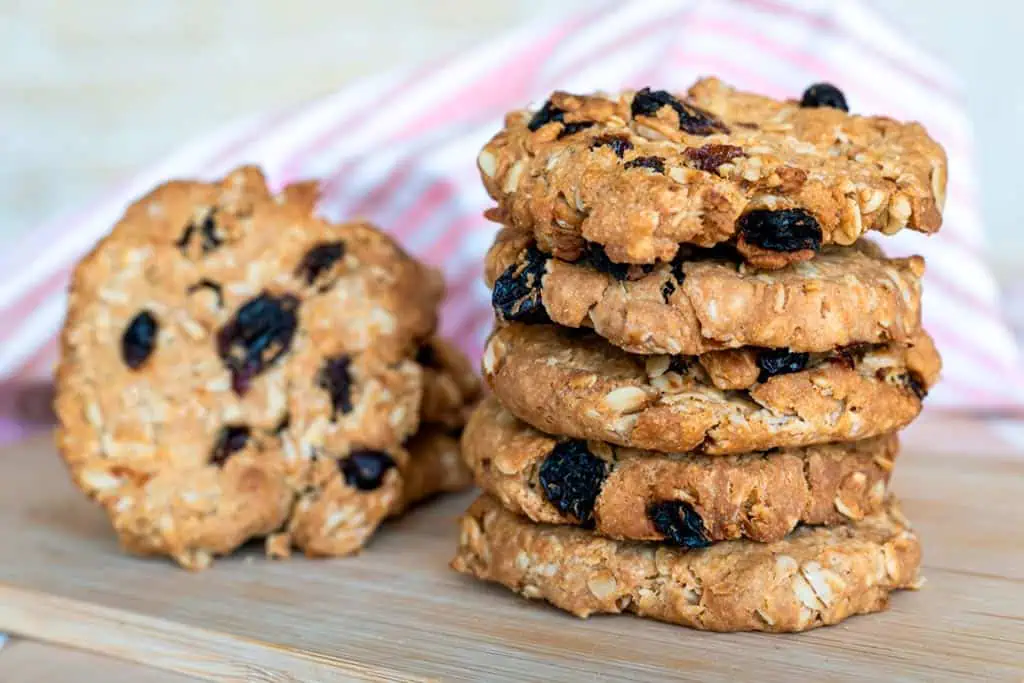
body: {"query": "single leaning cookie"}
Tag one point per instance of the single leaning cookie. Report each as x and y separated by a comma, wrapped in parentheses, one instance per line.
(689, 500)
(227, 354)
(574, 383)
(814, 577)
(643, 172)
(708, 299)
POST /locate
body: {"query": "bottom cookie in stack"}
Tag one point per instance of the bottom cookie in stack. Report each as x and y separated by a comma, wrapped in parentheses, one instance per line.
(814, 577)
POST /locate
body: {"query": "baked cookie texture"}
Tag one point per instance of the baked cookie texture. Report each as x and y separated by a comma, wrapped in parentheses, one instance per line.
(230, 360)
(573, 383)
(685, 499)
(814, 577)
(642, 172)
(707, 300)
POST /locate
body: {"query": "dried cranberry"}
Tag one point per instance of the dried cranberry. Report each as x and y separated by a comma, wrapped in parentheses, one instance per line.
(692, 120)
(232, 439)
(783, 230)
(774, 362)
(318, 260)
(365, 469)
(653, 163)
(209, 234)
(679, 523)
(709, 157)
(258, 335)
(571, 477)
(573, 127)
(517, 293)
(618, 144)
(824, 95)
(139, 340)
(545, 115)
(336, 378)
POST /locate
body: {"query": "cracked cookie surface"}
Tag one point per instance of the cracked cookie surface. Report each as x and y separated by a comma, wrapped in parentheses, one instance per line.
(643, 172)
(706, 301)
(227, 351)
(573, 383)
(816, 576)
(686, 499)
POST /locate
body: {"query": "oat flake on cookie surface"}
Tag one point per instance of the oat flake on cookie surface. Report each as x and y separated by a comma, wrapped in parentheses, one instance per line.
(233, 366)
(640, 173)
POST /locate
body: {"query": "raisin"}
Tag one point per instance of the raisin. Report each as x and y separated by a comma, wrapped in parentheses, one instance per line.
(680, 523)
(139, 339)
(571, 477)
(232, 439)
(774, 362)
(517, 293)
(680, 365)
(784, 230)
(692, 120)
(709, 157)
(209, 234)
(915, 383)
(545, 115)
(653, 163)
(336, 378)
(824, 95)
(365, 469)
(618, 144)
(318, 260)
(427, 356)
(573, 127)
(210, 285)
(667, 290)
(261, 331)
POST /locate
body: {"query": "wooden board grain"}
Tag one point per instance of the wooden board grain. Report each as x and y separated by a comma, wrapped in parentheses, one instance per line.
(397, 612)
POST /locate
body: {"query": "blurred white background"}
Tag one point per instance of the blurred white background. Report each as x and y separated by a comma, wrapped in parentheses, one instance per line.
(92, 90)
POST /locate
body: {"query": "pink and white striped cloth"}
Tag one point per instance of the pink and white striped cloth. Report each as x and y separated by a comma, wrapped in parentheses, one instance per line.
(400, 149)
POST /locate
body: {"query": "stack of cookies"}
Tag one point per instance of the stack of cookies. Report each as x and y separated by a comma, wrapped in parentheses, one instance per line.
(234, 367)
(700, 366)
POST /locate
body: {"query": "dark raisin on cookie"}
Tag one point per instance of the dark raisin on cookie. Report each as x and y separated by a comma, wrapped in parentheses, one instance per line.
(785, 230)
(667, 290)
(571, 477)
(824, 95)
(915, 383)
(517, 293)
(318, 260)
(365, 469)
(709, 157)
(545, 115)
(139, 340)
(259, 334)
(774, 362)
(210, 236)
(232, 439)
(573, 127)
(680, 364)
(692, 120)
(208, 285)
(656, 164)
(336, 378)
(426, 356)
(617, 143)
(679, 523)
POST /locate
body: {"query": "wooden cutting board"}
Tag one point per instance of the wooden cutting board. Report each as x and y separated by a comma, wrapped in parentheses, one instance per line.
(396, 612)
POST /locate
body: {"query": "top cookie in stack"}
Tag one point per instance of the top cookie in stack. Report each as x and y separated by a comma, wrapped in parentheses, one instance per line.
(697, 347)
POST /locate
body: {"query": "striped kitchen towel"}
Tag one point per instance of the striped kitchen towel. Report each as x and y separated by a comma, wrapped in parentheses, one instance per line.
(400, 149)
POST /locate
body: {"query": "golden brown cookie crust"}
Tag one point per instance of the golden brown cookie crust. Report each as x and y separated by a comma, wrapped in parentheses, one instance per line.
(272, 346)
(845, 295)
(640, 180)
(760, 496)
(814, 577)
(575, 384)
